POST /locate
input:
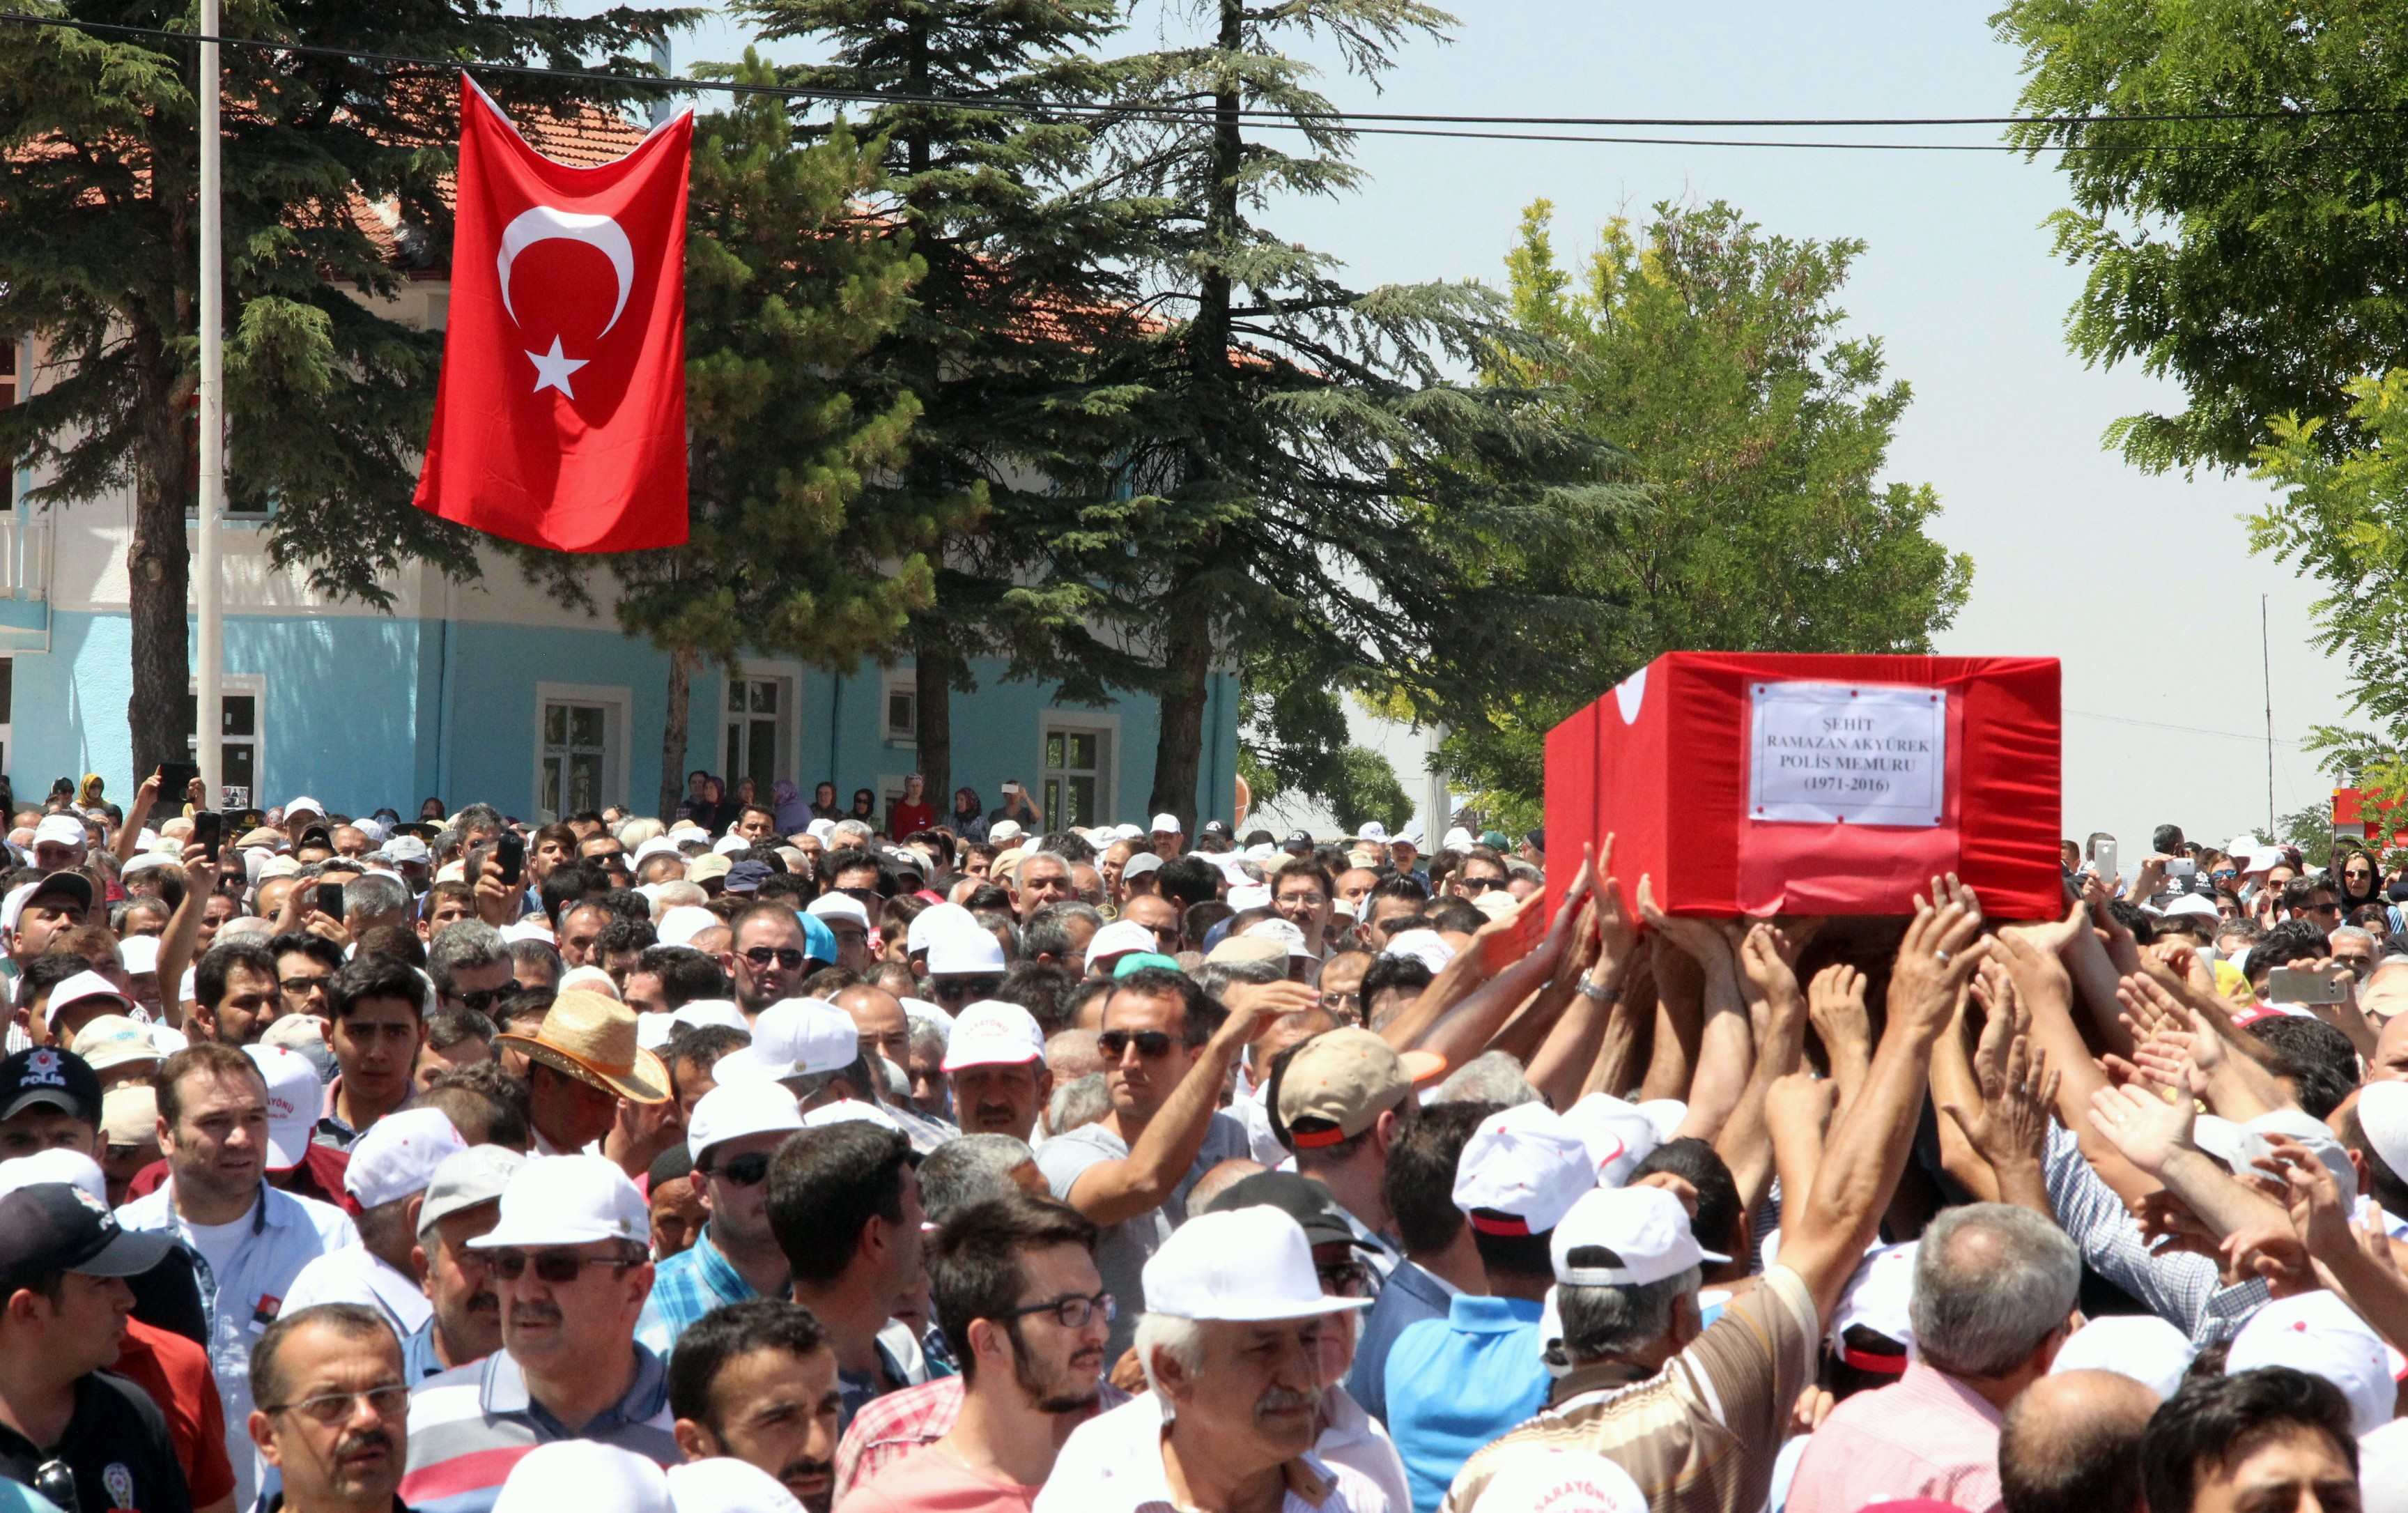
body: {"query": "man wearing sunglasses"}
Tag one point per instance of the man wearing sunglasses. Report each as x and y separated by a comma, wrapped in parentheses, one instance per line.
(1482, 871)
(570, 1269)
(1166, 1048)
(472, 967)
(87, 1441)
(734, 1132)
(766, 957)
(334, 1412)
(1014, 1286)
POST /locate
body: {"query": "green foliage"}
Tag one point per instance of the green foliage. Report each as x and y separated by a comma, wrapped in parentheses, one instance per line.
(785, 290)
(1709, 356)
(2310, 827)
(2253, 261)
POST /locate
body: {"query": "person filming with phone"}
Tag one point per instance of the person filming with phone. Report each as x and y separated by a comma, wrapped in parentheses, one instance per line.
(1016, 806)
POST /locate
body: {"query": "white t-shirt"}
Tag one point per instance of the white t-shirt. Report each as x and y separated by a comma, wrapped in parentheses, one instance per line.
(217, 1243)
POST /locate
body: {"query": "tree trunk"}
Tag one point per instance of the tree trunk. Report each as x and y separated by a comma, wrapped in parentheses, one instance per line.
(932, 675)
(1179, 748)
(158, 572)
(673, 730)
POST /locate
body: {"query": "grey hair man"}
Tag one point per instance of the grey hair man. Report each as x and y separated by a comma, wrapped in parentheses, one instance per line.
(1059, 931)
(974, 1168)
(1994, 1297)
(472, 966)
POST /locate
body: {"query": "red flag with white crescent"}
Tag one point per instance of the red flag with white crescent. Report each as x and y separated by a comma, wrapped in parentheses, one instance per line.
(559, 415)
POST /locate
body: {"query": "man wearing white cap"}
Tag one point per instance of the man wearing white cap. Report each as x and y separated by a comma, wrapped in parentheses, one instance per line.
(252, 1238)
(60, 843)
(1699, 1419)
(463, 1201)
(1167, 837)
(849, 922)
(1232, 1345)
(995, 1061)
(1520, 1174)
(30, 915)
(388, 1174)
(570, 1264)
(734, 1130)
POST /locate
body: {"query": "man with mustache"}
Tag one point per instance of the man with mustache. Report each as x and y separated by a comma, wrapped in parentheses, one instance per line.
(1231, 1343)
(571, 1268)
(1024, 1310)
(463, 1201)
(756, 1381)
(334, 1411)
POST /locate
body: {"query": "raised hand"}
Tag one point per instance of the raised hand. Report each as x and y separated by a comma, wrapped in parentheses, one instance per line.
(2144, 1126)
(1942, 947)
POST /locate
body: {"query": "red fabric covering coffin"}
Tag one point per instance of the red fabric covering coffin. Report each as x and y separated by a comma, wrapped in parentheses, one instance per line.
(1664, 762)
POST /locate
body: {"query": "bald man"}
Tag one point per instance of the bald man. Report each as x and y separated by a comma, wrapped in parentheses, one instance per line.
(2071, 1444)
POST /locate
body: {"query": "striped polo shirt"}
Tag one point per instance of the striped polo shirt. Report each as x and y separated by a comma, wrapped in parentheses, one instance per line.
(469, 1425)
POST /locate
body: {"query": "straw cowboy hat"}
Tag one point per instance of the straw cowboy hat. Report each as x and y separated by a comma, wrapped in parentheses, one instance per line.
(592, 1038)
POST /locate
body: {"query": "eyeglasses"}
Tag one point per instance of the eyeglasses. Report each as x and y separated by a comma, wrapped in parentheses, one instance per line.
(334, 1408)
(1302, 900)
(558, 1267)
(1072, 1312)
(1345, 1280)
(868, 896)
(745, 1171)
(785, 956)
(483, 999)
(944, 990)
(1150, 1044)
(55, 1480)
(302, 984)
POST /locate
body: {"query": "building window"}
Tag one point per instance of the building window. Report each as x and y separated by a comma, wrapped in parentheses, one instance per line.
(576, 758)
(237, 743)
(1077, 787)
(902, 708)
(754, 732)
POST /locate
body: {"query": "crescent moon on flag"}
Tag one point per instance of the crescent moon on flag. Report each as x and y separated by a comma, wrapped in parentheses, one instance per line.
(545, 223)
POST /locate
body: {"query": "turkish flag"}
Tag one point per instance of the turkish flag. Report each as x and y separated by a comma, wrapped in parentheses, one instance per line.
(559, 415)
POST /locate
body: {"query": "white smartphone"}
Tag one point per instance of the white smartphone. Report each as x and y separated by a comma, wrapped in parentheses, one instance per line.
(2103, 857)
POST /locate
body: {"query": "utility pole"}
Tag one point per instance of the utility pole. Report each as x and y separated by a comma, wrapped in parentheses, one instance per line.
(2266, 662)
(209, 718)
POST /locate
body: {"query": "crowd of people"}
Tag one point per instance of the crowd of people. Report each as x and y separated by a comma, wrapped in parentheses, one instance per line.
(773, 1155)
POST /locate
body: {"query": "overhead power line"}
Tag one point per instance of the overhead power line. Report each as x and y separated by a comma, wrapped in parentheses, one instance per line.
(1383, 124)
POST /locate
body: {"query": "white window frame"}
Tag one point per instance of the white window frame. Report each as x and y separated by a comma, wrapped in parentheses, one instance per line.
(1105, 723)
(254, 686)
(789, 677)
(618, 702)
(899, 680)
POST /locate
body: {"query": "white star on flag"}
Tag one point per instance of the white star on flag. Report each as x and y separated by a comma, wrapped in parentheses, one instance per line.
(551, 369)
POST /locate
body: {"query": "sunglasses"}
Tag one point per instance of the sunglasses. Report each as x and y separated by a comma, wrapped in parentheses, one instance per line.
(558, 1267)
(302, 984)
(785, 956)
(1345, 1280)
(1150, 1044)
(1478, 885)
(946, 989)
(483, 999)
(745, 1171)
(334, 1408)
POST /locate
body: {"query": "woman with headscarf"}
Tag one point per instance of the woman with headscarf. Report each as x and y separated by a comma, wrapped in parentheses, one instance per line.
(2360, 881)
(786, 802)
(823, 804)
(968, 818)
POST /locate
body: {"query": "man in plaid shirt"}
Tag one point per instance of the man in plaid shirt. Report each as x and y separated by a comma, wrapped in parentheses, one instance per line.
(735, 1130)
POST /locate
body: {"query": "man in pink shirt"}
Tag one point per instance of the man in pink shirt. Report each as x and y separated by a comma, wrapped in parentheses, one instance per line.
(1014, 1286)
(1994, 1296)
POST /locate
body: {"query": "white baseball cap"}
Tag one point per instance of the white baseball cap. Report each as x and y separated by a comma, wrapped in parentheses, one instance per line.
(1563, 1481)
(1646, 1228)
(21, 895)
(851, 1110)
(964, 952)
(1138, 865)
(141, 953)
(1374, 831)
(398, 1154)
(709, 1011)
(1247, 1265)
(115, 1040)
(1245, 896)
(84, 988)
(406, 851)
(2316, 1332)
(1281, 930)
(2142, 1347)
(1880, 1296)
(61, 830)
(992, 1032)
(147, 861)
(1456, 839)
(935, 920)
(1422, 945)
(1522, 1171)
(467, 1179)
(839, 906)
(681, 925)
(1128, 833)
(294, 1096)
(582, 1473)
(795, 1037)
(723, 1484)
(295, 808)
(1118, 938)
(659, 845)
(1617, 1134)
(568, 1200)
(1003, 831)
(56, 1165)
(727, 845)
(735, 1110)
(1167, 824)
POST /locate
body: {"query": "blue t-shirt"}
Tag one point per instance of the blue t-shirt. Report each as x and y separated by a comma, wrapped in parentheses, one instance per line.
(1455, 1383)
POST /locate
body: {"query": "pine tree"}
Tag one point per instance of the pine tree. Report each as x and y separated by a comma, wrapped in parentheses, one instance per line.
(327, 399)
(788, 284)
(1320, 502)
(1005, 465)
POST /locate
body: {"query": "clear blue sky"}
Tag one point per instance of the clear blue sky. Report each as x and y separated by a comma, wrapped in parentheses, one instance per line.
(2142, 585)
